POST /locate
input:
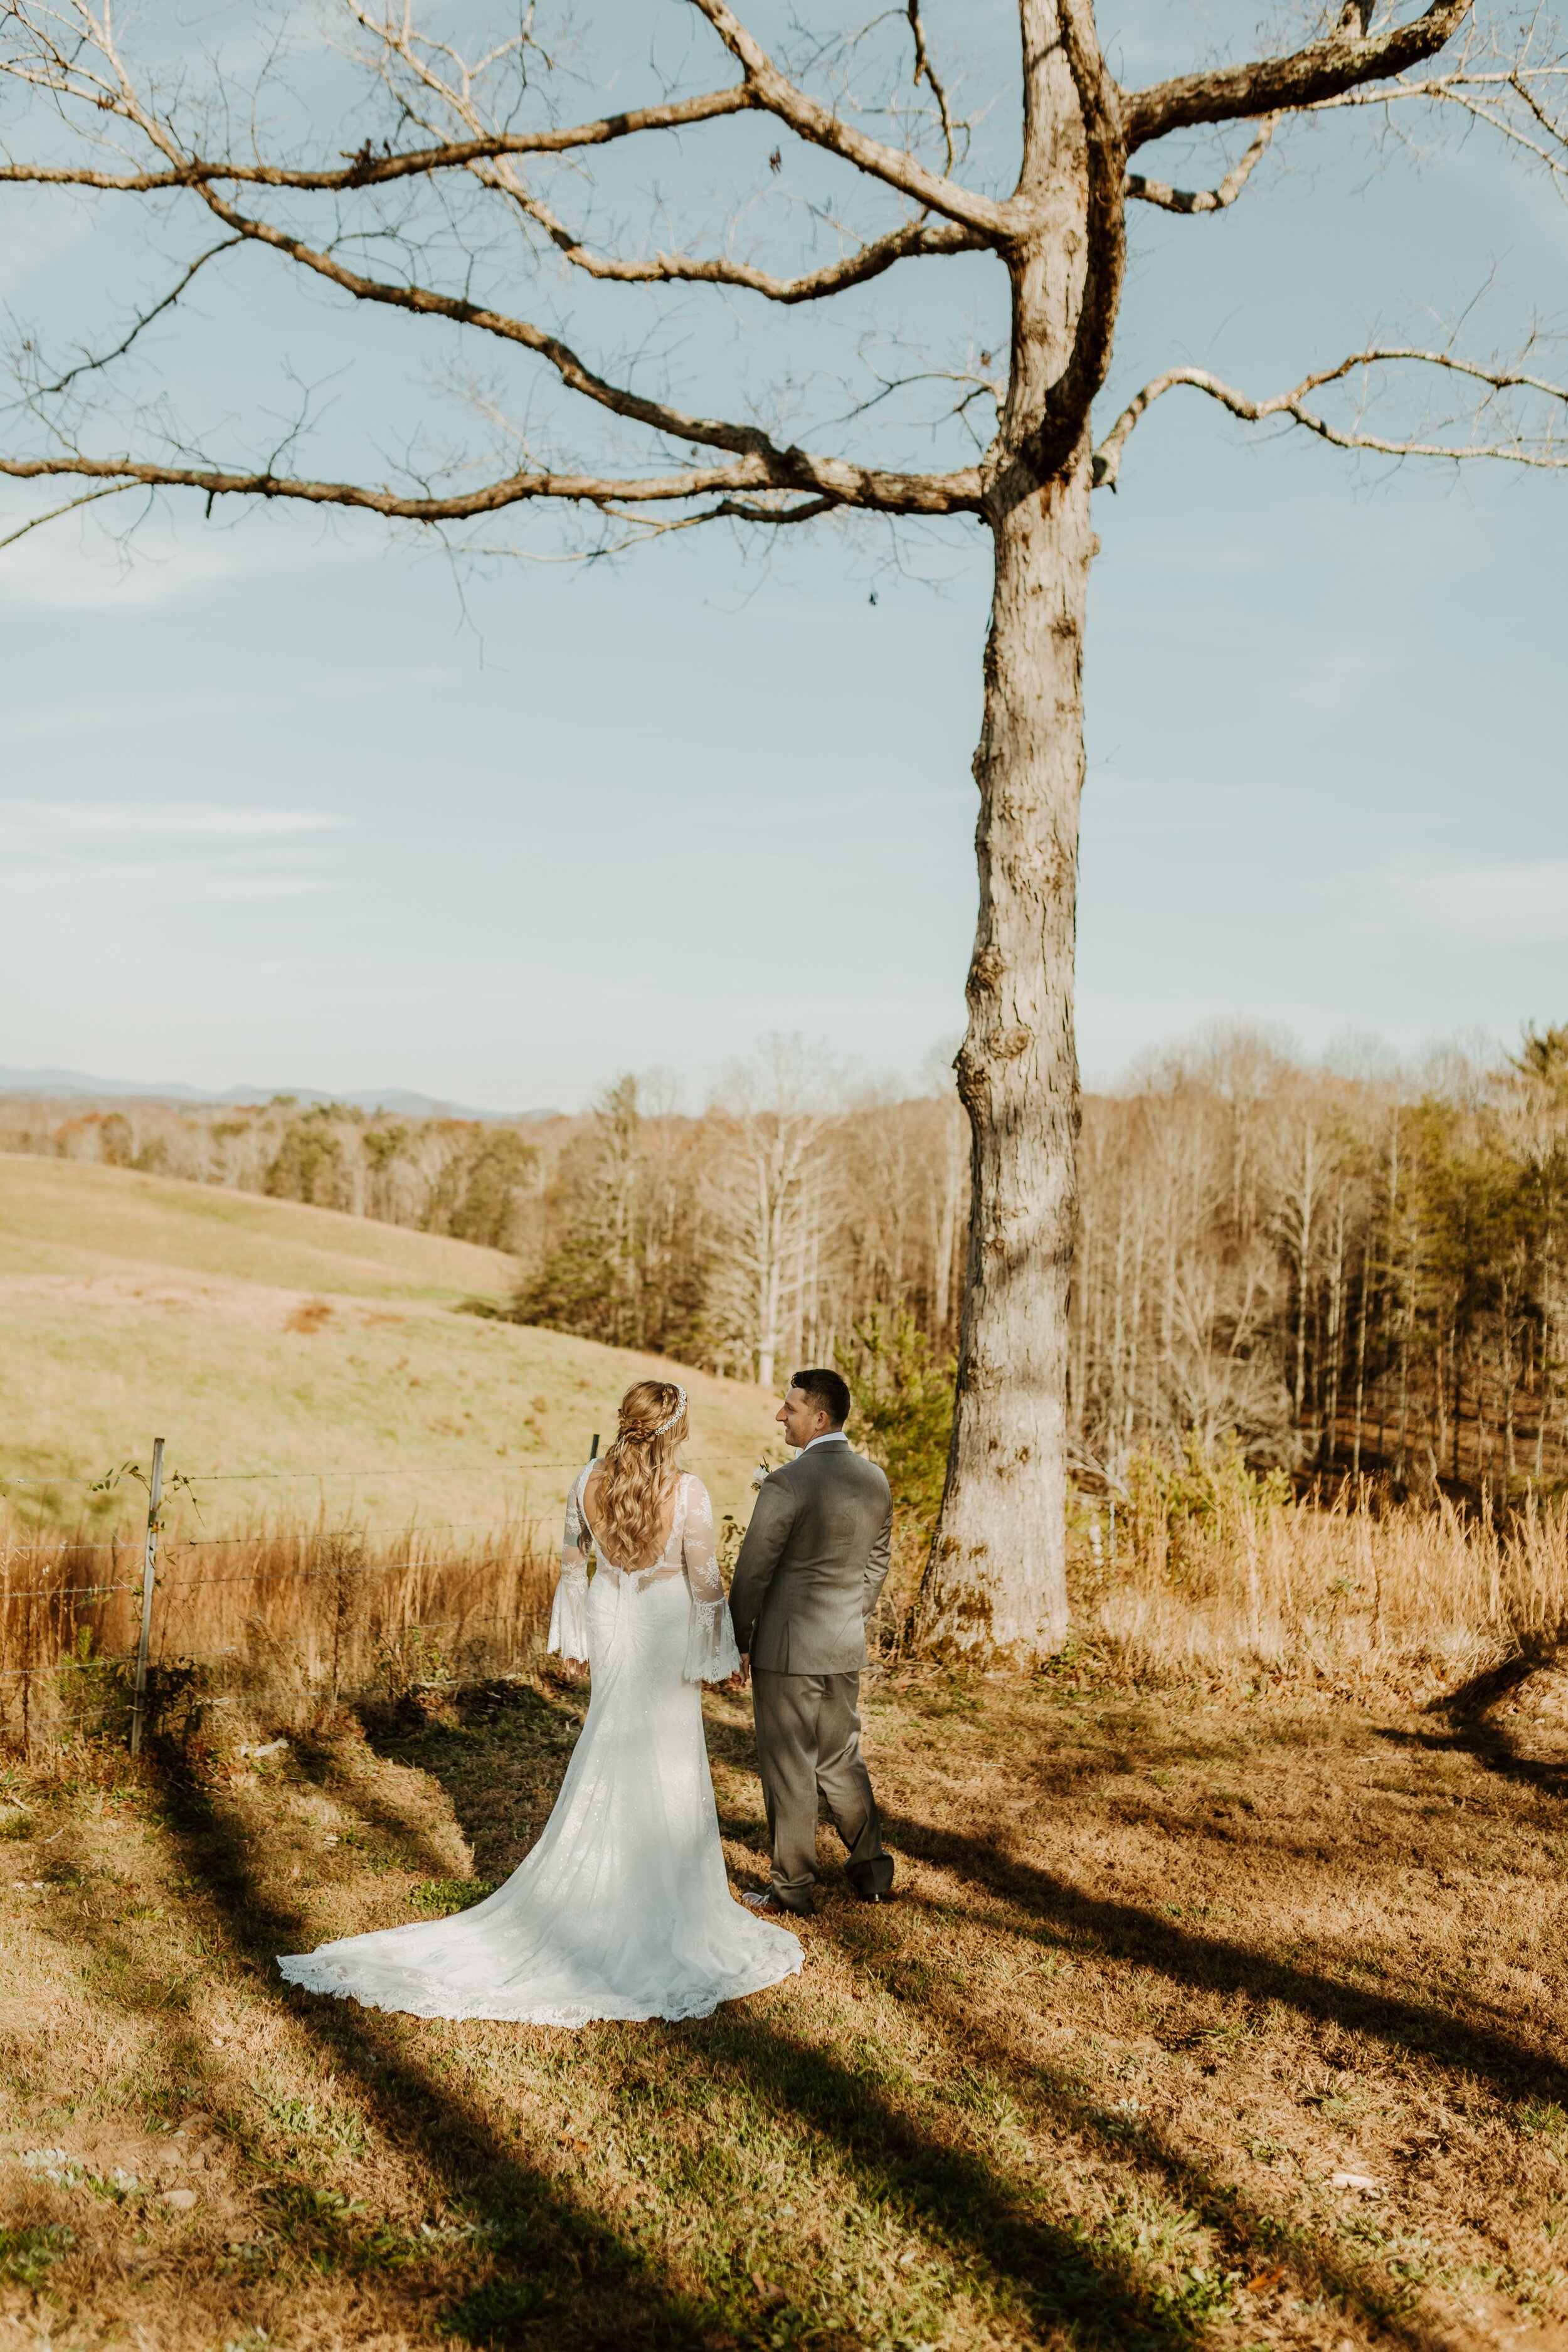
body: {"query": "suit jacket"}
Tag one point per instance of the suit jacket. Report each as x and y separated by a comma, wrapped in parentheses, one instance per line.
(813, 1562)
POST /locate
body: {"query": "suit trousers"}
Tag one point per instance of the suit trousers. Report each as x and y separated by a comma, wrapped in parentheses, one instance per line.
(808, 1743)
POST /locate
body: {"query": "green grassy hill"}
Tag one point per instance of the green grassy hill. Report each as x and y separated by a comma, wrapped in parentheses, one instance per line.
(297, 1361)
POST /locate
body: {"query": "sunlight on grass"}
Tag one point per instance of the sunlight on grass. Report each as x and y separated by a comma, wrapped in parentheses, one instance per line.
(1089, 2083)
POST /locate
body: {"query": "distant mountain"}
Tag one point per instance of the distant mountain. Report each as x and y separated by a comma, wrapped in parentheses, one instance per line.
(74, 1084)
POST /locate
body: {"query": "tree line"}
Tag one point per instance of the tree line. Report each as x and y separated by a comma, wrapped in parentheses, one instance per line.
(468, 1178)
(1349, 1271)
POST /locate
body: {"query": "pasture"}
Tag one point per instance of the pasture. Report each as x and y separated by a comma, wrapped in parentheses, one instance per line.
(1224, 2002)
(1170, 1977)
(297, 1344)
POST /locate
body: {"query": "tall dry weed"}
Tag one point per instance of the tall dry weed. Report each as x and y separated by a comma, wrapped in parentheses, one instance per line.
(310, 1611)
(1358, 1592)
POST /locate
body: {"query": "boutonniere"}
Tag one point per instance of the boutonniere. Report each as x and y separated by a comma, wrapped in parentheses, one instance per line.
(760, 1477)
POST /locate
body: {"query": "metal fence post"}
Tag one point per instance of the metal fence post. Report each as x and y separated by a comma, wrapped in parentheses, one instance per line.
(149, 1578)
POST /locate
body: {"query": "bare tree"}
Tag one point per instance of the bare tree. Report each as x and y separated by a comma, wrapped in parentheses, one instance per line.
(768, 1194)
(456, 171)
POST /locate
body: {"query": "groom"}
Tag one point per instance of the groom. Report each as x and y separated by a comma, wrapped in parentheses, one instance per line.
(810, 1569)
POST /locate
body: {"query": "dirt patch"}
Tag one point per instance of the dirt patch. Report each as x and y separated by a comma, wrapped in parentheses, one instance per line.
(256, 1305)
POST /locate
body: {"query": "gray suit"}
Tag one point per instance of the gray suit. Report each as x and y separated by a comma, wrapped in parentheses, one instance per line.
(810, 1569)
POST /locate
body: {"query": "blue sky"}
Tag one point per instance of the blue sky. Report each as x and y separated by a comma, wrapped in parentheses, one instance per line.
(278, 806)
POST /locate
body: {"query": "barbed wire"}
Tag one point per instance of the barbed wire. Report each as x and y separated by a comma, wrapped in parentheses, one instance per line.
(92, 1596)
(88, 1595)
(134, 1538)
(209, 1657)
(398, 1470)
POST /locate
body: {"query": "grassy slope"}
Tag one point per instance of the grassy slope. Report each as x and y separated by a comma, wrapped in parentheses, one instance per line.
(259, 1335)
(1160, 1969)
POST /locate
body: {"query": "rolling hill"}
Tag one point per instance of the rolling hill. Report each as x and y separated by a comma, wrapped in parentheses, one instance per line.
(299, 1362)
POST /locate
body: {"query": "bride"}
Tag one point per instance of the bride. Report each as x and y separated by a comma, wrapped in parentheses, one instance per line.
(623, 1908)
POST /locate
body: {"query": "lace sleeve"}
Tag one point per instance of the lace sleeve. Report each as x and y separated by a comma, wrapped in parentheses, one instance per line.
(710, 1653)
(568, 1617)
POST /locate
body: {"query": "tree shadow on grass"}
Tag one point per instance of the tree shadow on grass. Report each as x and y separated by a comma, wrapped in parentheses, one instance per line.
(320, 1764)
(1054, 2271)
(1514, 2066)
(1093, 2296)
(1472, 1732)
(1060, 2274)
(1254, 2240)
(549, 2246)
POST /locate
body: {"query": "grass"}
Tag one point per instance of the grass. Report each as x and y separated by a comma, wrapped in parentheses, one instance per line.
(1162, 1967)
(263, 1337)
(1365, 1595)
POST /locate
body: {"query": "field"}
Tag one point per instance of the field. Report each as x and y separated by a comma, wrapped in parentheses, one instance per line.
(1233, 2023)
(1223, 2004)
(319, 1353)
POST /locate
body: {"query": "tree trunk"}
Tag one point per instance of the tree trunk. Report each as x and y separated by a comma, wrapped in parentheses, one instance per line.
(947, 1223)
(1336, 1336)
(997, 1583)
(1303, 1260)
(1361, 1355)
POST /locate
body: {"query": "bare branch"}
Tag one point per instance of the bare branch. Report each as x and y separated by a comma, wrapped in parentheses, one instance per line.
(710, 432)
(36, 522)
(924, 71)
(368, 170)
(747, 511)
(1508, 101)
(107, 359)
(914, 240)
(817, 123)
(841, 485)
(1204, 200)
(1547, 453)
(1344, 60)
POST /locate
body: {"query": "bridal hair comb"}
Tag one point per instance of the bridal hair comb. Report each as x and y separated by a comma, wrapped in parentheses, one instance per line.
(675, 1416)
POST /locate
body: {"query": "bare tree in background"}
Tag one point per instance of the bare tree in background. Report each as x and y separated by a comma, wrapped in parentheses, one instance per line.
(770, 1196)
(446, 174)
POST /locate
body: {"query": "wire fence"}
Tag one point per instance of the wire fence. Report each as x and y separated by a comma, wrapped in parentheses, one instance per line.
(121, 1625)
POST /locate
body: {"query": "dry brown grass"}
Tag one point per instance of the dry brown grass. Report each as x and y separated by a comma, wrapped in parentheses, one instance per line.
(1168, 1963)
(281, 1615)
(1356, 1596)
(1162, 1968)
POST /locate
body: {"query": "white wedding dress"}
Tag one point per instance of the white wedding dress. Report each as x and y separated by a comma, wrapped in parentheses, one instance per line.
(623, 1908)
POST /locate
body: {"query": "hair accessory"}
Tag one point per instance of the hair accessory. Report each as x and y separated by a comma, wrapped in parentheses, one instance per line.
(675, 1416)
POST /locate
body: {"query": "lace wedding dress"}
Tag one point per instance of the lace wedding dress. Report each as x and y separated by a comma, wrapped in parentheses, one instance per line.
(623, 1908)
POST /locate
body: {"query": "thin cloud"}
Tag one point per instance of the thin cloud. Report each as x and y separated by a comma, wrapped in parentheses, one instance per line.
(1518, 904)
(20, 726)
(169, 555)
(45, 825)
(64, 853)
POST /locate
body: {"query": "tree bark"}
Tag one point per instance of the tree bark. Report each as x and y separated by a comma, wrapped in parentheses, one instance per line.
(996, 1583)
(1361, 1355)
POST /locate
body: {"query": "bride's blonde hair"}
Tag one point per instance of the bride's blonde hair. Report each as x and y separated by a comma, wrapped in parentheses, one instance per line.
(639, 1470)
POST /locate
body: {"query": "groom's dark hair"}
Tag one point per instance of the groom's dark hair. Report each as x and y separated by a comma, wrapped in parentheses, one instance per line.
(828, 1391)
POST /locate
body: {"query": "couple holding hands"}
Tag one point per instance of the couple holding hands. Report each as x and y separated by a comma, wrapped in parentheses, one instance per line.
(623, 1908)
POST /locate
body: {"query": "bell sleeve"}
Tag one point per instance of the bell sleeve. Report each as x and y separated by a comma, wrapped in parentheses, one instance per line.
(710, 1653)
(568, 1615)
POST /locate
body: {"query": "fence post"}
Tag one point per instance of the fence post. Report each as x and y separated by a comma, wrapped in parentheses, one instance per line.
(594, 1449)
(149, 1578)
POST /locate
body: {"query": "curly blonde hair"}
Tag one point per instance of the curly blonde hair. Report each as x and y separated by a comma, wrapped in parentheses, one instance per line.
(639, 1471)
